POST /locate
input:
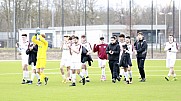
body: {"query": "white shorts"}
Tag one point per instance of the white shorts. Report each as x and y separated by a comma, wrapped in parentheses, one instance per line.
(76, 65)
(24, 61)
(65, 62)
(170, 63)
(101, 62)
(32, 66)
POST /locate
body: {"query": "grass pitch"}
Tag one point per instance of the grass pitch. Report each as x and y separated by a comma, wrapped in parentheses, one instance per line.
(156, 88)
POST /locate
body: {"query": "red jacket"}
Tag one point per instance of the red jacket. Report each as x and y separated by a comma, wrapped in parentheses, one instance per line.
(101, 50)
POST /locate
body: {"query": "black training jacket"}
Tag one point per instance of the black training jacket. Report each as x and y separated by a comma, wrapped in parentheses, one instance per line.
(141, 48)
(116, 51)
(32, 55)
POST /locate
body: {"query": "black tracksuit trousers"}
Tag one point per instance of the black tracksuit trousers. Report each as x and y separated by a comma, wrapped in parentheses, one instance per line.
(113, 65)
(140, 62)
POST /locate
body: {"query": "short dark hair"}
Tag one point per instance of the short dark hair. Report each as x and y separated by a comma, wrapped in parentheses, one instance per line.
(70, 38)
(140, 33)
(171, 35)
(113, 37)
(83, 36)
(122, 35)
(128, 37)
(101, 38)
(76, 37)
(24, 35)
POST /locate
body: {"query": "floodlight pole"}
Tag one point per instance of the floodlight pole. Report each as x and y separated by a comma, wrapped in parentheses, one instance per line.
(130, 18)
(174, 18)
(152, 30)
(85, 17)
(62, 18)
(39, 14)
(14, 25)
(107, 20)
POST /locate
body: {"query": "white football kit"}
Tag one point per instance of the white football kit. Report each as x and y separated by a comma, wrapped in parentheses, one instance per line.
(66, 56)
(76, 57)
(22, 49)
(130, 50)
(171, 49)
(121, 49)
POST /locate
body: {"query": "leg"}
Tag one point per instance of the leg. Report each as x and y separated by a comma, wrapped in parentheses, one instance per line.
(111, 68)
(73, 77)
(141, 69)
(130, 74)
(102, 64)
(68, 73)
(80, 74)
(25, 74)
(115, 69)
(126, 74)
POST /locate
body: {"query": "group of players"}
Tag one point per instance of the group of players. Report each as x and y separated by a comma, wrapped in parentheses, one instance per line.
(33, 54)
(73, 58)
(77, 53)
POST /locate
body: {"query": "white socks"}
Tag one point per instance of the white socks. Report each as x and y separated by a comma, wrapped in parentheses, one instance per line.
(86, 73)
(73, 78)
(63, 76)
(25, 75)
(126, 75)
(32, 76)
(121, 72)
(130, 74)
(103, 71)
(83, 72)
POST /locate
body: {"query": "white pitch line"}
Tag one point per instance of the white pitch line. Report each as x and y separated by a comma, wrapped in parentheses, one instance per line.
(94, 60)
(58, 73)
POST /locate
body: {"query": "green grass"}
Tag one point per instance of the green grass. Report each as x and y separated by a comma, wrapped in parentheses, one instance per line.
(156, 88)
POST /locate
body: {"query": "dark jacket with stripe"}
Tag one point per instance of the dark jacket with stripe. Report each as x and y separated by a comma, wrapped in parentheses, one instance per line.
(141, 48)
(32, 55)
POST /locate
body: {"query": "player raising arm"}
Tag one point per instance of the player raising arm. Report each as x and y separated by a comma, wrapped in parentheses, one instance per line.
(41, 56)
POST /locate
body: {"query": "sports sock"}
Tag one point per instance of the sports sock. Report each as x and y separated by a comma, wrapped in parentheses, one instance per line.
(32, 76)
(73, 78)
(174, 75)
(83, 72)
(70, 73)
(170, 72)
(130, 74)
(121, 72)
(81, 75)
(63, 76)
(86, 73)
(24, 75)
(37, 76)
(103, 71)
(27, 75)
(126, 75)
(42, 77)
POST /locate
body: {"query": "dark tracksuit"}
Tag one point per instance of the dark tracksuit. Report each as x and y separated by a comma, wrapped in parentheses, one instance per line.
(141, 48)
(32, 55)
(113, 59)
(125, 60)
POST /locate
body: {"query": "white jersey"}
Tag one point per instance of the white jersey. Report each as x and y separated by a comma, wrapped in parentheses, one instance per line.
(130, 50)
(22, 49)
(76, 57)
(171, 54)
(121, 49)
(87, 46)
(66, 51)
